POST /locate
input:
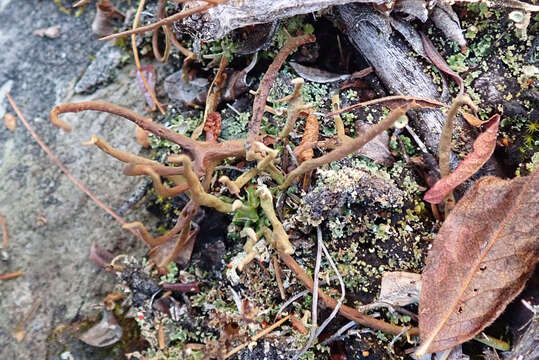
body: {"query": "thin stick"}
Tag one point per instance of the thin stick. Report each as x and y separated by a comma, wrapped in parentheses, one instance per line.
(257, 336)
(259, 103)
(165, 21)
(427, 103)
(62, 167)
(278, 274)
(4, 232)
(314, 310)
(12, 275)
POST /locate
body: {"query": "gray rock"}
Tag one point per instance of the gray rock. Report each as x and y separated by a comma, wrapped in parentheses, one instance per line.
(177, 89)
(54, 254)
(101, 69)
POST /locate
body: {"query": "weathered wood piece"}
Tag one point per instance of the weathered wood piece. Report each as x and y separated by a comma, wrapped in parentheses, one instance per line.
(402, 74)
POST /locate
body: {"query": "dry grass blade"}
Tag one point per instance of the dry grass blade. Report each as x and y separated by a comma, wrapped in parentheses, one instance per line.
(480, 260)
(212, 100)
(314, 311)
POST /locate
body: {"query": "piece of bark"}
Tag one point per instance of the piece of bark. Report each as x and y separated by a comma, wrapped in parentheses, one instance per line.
(400, 73)
(527, 347)
(222, 19)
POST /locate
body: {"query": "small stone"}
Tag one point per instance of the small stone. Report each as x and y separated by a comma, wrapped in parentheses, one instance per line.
(177, 89)
(513, 108)
(101, 70)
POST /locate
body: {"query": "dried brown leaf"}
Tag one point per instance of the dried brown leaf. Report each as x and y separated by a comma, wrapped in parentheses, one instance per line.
(10, 121)
(483, 147)
(472, 119)
(480, 260)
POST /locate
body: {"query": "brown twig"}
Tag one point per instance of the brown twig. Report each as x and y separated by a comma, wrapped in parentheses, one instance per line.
(12, 275)
(137, 60)
(264, 88)
(166, 21)
(161, 5)
(3, 225)
(397, 99)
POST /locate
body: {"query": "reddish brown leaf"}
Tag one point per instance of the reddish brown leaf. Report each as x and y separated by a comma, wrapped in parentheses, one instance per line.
(483, 147)
(438, 60)
(480, 260)
(472, 120)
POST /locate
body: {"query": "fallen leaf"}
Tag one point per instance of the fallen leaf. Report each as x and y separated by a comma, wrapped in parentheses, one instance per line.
(317, 75)
(10, 121)
(105, 15)
(51, 32)
(400, 288)
(439, 61)
(472, 119)
(378, 148)
(149, 74)
(481, 258)
(483, 147)
(104, 333)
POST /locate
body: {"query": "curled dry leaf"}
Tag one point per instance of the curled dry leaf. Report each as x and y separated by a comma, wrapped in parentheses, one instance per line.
(472, 119)
(483, 147)
(10, 121)
(481, 258)
(438, 60)
(105, 15)
(104, 333)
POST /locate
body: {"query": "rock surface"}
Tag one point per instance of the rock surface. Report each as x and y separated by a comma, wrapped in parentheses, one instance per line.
(51, 223)
(101, 70)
